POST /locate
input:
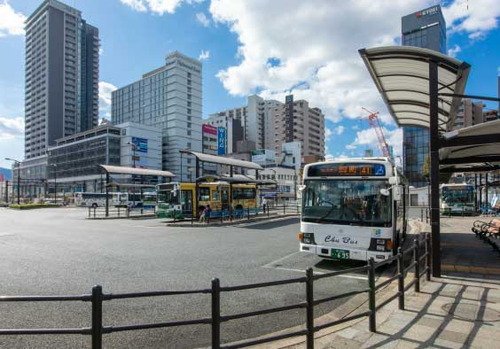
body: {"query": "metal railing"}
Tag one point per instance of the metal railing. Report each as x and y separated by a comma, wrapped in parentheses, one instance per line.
(118, 212)
(96, 329)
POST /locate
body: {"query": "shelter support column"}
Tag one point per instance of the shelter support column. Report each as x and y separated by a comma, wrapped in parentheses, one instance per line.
(434, 168)
(107, 193)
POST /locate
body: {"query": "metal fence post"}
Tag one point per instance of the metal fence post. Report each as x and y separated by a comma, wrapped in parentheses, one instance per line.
(310, 308)
(96, 317)
(401, 280)
(284, 207)
(94, 210)
(89, 212)
(371, 295)
(421, 214)
(248, 213)
(215, 313)
(429, 255)
(416, 256)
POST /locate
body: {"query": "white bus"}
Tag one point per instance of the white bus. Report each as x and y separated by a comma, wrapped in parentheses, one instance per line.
(353, 209)
(458, 198)
(88, 199)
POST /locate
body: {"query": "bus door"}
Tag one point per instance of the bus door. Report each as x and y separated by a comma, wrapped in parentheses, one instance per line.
(187, 201)
(224, 197)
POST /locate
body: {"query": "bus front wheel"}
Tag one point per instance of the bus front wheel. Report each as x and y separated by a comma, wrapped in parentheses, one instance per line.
(94, 205)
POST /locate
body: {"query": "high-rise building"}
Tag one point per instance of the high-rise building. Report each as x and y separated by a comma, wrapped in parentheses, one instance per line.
(62, 76)
(468, 114)
(169, 98)
(295, 121)
(426, 29)
(256, 119)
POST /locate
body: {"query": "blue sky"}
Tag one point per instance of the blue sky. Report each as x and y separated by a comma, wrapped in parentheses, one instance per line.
(273, 48)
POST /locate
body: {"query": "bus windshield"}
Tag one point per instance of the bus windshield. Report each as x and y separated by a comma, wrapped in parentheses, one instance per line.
(168, 195)
(349, 202)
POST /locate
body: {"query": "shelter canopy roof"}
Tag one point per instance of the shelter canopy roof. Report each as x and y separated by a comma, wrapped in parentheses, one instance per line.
(223, 160)
(401, 74)
(136, 171)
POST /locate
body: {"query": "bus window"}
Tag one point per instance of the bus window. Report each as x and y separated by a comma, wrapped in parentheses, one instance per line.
(215, 195)
(204, 194)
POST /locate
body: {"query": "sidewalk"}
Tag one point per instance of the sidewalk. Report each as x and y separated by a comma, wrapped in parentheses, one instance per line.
(463, 252)
(448, 313)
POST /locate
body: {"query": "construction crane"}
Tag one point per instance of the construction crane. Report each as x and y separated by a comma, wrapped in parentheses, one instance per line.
(375, 124)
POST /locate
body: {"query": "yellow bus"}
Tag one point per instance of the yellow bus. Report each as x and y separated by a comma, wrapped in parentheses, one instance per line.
(190, 199)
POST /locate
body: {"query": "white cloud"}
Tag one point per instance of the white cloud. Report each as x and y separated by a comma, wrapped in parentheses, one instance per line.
(204, 55)
(11, 127)
(328, 134)
(101, 51)
(105, 89)
(339, 130)
(159, 7)
(453, 51)
(11, 22)
(473, 17)
(318, 55)
(368, 137)
(202, 19)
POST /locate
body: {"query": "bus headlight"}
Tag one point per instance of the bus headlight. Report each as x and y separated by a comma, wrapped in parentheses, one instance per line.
(306, 238)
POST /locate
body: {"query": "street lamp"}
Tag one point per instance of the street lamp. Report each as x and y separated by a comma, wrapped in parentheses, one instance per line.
(17, 163)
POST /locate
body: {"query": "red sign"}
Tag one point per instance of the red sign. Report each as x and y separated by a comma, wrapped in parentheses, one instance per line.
(206, 128)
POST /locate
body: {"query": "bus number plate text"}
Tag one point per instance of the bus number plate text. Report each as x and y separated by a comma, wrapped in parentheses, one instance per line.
(340, 254)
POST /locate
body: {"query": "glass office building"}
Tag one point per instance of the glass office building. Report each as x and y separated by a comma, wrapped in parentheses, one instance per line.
(426, 29)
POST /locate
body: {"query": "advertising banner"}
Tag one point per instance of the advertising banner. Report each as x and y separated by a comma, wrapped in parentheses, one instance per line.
(206, 128)
(221, 141)
(141, 144)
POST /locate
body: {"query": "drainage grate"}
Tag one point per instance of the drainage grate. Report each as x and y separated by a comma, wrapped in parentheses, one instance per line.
(472, 312)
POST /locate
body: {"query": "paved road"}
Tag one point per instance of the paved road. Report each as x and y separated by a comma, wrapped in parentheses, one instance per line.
(57, 251)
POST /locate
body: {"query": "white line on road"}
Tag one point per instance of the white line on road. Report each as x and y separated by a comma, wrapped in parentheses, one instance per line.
(280, 259)
(348, 276)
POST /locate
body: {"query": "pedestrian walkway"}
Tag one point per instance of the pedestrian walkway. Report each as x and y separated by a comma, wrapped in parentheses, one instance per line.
(462, 252)
(447, 313)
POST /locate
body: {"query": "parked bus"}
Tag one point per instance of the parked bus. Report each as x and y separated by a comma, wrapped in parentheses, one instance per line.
(88, 199)
(353, 209)
(458, 198)
(192, 198)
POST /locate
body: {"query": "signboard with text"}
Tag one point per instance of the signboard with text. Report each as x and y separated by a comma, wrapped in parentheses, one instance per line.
(221, 141)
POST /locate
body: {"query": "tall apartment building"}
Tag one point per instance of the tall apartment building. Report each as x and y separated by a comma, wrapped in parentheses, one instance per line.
(295, 121)
(256, 119)
(468, 114)
(169, 98)
(62, 76)
(427, 29)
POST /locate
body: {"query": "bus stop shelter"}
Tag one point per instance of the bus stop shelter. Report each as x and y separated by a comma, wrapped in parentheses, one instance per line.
(123, 170)
(421, 87)
(221, 160)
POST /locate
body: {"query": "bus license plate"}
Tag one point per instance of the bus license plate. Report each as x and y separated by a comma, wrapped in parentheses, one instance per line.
(340, 254)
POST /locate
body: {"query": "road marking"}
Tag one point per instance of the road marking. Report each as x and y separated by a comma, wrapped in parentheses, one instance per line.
(280, 259)
(347, 276)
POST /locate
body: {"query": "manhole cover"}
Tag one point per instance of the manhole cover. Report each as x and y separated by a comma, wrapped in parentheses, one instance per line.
(472, 312)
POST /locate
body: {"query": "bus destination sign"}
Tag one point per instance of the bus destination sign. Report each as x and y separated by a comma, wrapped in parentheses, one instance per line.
(346, 169)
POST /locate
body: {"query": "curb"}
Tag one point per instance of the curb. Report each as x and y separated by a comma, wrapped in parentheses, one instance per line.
(470, 269)
(273, 218)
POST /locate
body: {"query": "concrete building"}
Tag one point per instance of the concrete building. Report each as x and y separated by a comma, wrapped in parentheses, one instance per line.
(468, 114)
(264, 157)
(170, 99)
(256, 120)
(490, 115)
(291, 155)
(295, 121)
(140, 146)
(74, 161)
(427, 29)
(286, 179)
(62, 76)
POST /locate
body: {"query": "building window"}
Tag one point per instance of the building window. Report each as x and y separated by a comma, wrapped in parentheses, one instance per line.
(189, 125)
(189, 132)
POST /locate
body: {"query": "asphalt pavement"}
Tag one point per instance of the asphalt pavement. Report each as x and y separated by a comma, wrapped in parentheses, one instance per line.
(57, 251)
